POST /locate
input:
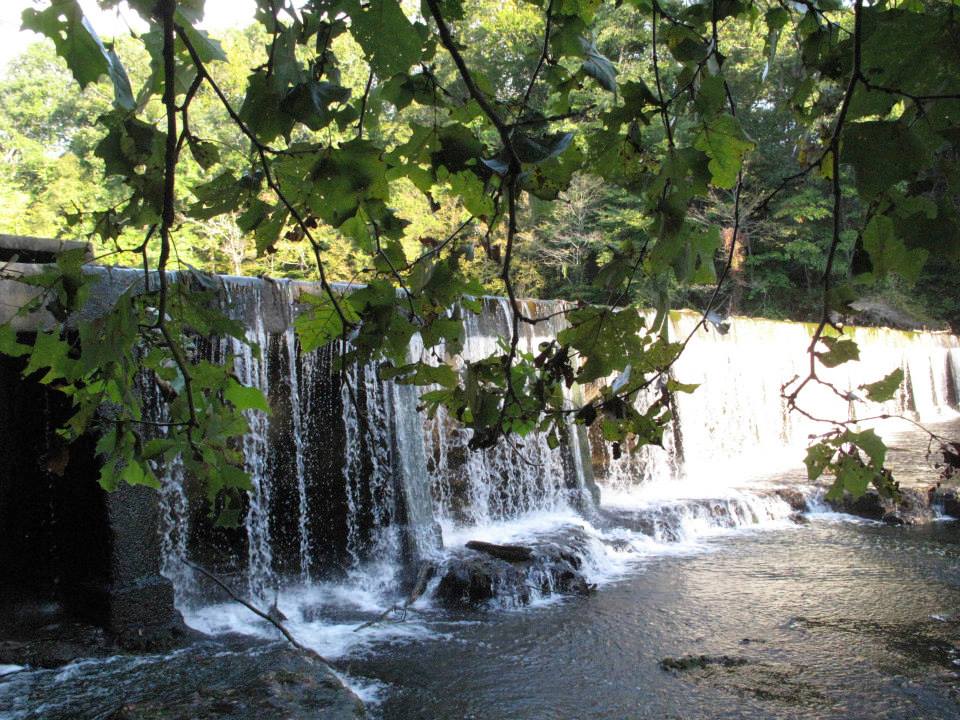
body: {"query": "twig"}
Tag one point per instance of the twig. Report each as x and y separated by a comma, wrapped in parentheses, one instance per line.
(260, 613)
(363, 104)
(166, 9)
(544, 53)
(423, 577)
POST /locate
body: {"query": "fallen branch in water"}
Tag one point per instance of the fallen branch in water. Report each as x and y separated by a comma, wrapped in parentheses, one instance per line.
(509, 553)
(269, 617)
(423, 577)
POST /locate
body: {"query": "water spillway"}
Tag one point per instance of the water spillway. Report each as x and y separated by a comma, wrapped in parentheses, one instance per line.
(354, 494)
(355, 490)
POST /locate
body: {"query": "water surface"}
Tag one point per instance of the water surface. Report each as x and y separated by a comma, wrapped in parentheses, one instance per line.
(836, 619)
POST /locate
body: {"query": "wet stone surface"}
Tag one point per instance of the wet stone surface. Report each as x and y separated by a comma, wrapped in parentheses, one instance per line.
(479, 575)
(227, 679)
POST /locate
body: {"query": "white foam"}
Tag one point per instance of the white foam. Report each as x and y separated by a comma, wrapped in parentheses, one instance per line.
(371, 692)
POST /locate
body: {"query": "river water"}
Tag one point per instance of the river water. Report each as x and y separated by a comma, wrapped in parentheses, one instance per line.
(835, 619)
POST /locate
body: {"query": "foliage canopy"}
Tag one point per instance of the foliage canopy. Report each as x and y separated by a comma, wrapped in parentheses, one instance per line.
(356, 112)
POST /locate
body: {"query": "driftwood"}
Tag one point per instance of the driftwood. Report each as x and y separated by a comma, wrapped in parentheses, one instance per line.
(272, 616)
(419, 587)
(510, 553)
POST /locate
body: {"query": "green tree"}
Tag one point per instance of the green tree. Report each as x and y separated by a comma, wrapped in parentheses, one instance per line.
(356, 120)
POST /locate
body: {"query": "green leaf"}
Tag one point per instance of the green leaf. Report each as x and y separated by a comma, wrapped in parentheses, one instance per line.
(885, 389)
(870, 443)
(818, 459)
(310, 102)
(888, 254)
(609, 339)
(243, 397)
(598, 67)
(690, 253)
(675, 386)
(75, 40)
(882, 154)
(726, 144)
(471, 190)
(320, 323)
(260, 109)
(839, 351)
(387, 37)
(208, 50)
(852, 475)
(538, 149)
(422, 374)
(122, 92)
(9, 345)
(205, 153)
(711, 97)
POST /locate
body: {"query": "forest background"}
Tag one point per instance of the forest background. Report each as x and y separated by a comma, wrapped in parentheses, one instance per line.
(51, 176)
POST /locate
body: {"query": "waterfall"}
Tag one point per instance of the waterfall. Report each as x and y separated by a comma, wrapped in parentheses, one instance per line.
(300, 425)
(251, 367)
(353, 486)
(736, 420)
(175, 529)
(411, 460)
(518, 476)
(353, 465)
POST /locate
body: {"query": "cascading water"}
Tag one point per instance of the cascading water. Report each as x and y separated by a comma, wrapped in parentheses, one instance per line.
(737, 421)
(300, 467)
(354, 488)
(510, 479)
(251, 366)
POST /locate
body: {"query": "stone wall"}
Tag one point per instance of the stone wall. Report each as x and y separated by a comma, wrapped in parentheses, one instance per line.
(65, 541)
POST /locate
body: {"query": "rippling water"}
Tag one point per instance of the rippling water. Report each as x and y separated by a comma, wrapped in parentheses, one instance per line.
(836, 619)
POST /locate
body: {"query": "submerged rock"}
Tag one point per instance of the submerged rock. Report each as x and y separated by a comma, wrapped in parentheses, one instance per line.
(699, 662)
(280, 683)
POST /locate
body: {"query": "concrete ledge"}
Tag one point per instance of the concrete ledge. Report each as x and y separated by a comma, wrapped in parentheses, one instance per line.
(19, 248)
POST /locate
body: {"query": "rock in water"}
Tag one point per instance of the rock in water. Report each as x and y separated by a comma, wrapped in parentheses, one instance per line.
(699, 662)
(914, 507)
(512, 575)
(471, 582)
(794, 498)
(949, 500)
(277, 683)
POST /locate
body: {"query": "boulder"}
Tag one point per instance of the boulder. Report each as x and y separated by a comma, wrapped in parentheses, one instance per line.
(468, 582)
(793, 497)
(512, 575)
(914, 507)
